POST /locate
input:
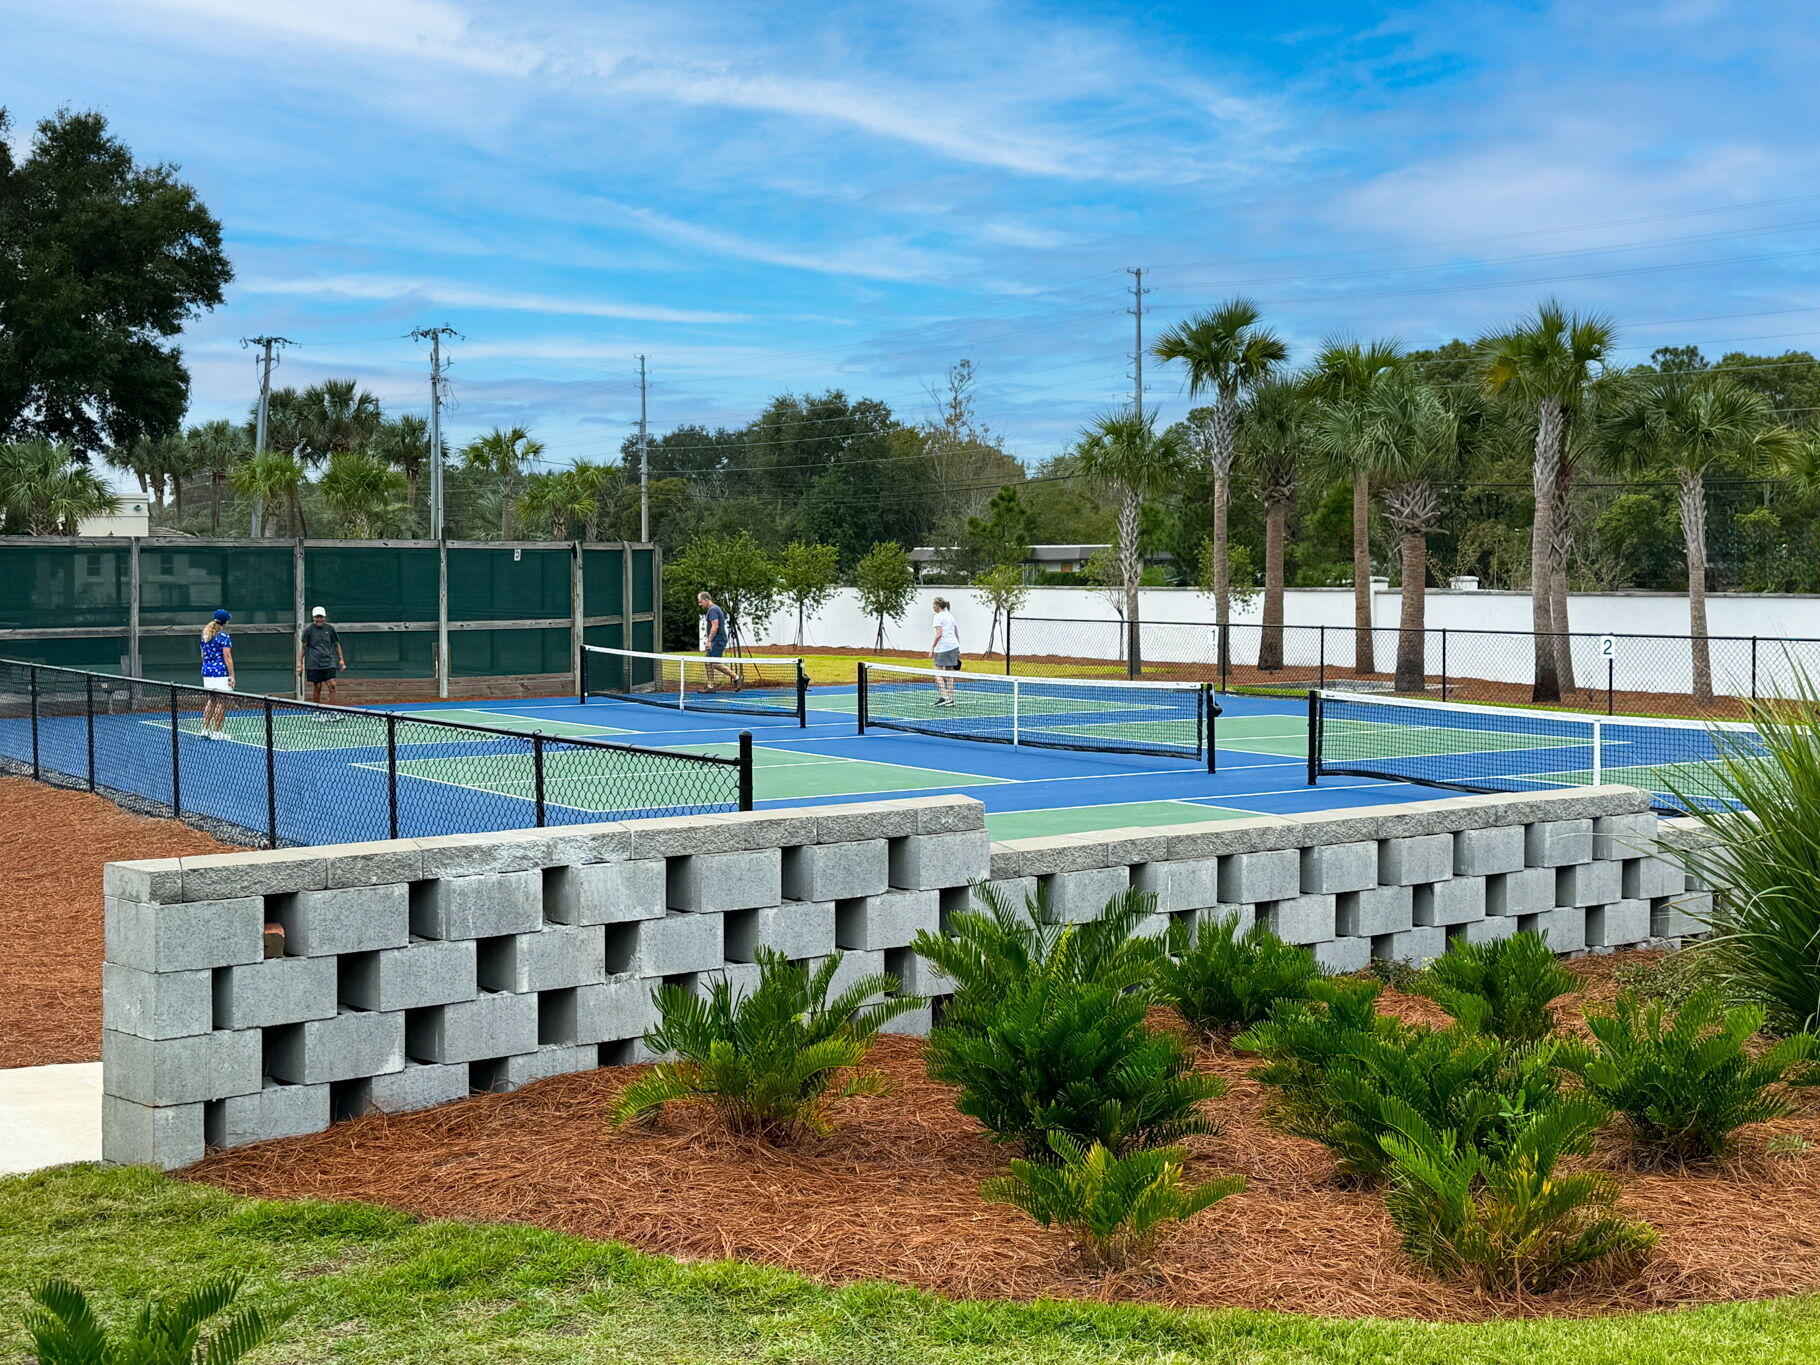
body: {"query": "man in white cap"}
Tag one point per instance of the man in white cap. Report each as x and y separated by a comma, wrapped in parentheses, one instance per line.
(319, 656)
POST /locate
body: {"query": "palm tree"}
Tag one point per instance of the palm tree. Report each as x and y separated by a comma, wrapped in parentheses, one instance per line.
(158, 463)
(45, 490)
(567, 499)
(1344, 372)
(1686, 425)
(272, 476)
(215, 448)
(1226, 353)
(1546, 360)
(503, 454)
(1121, 452)
(1273, 437)
(405, 443)
(361, 487)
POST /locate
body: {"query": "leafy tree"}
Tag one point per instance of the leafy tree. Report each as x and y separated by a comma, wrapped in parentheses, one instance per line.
(1002, 588)
(1273, 438)
(45, 490)
(886, 585)
(503, 454)
(362, 489)
(1547, 361)
(807, 577)
(736, 571)
(65, 1330)
(105, 261)
(1226, 354)
(1064, 507)
(1001, 536)
(1123, 453)
(272, 477)
(964, 457)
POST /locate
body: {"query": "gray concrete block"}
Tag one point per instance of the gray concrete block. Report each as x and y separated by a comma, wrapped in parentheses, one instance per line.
(427, 972)
(1557, 843)
(1485, 930)
(914, 1023)
(1420, 858)
(165, 1136)
(1528, 891)
(915, 976)
(893, 920)
(742, 978)
(1049, 853)
(1414, 946)
(477, 855)
(797, 929)
(1218, 838)
(1180, 884)
(679, 942)
(152, 881)
(831, 872)
(1253, 878)
(1302, 919)
(1015, 892)
(1563, 928)
(1647, 878)
(1379, 910)
(922, 862)
(355, 1043)
(1624, 836)
(1589, 883)
(1331, 868)
(944, 814)
(176, 938)
(1482, 852)
(357, 919)
(560, 1060)
(1454, 901)
(270, 872)
(710, 883)
(481, 905)
(780, 828)
(607, 842)
(495, 1025)
(1243, 916)
(607, 893)
(1076, 897)
(1135, 847)
(676, 836)
(156, 1004)
(420, 1085)
(1338, 956)
(381, 863)
(853, 965)
(1618, 924)
(554, 958)
(1697, 905)
(276, 1111)
(614, 1011)
(279, 990)
(1669, 918)
(167, 1071)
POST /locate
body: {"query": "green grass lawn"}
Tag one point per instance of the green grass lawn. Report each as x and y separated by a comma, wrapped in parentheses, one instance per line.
(372, 1285)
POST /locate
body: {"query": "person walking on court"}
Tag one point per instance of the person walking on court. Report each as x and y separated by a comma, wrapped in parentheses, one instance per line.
(716, 644)
(320, 657)
(945, 651)
(217, 674)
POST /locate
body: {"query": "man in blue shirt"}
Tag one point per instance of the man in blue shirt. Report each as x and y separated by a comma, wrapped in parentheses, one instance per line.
(715, 645)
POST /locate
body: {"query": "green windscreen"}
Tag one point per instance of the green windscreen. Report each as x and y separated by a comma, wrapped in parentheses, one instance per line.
(262, 663)
(96, 654)
(508, 585)
(385, 583)
(602, 581)
(182, 585)
(61, 586)
(495, 653)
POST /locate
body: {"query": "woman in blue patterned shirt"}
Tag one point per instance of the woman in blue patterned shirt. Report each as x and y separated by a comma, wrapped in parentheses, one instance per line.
(217, 674)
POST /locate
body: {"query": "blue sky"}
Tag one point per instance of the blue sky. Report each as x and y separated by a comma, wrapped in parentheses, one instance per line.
(787, 197)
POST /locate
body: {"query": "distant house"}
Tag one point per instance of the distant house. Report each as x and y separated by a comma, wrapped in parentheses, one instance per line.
(1042, 558)
(132, 516)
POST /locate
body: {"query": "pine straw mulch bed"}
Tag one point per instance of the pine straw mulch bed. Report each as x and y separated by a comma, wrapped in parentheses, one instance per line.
(892, 1195)
(52, 846)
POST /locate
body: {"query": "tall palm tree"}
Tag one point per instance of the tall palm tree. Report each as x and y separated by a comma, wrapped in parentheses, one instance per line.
(270, 477)
(1685, 425)
(1546, 361)
(1122, 453)
(362, 488)
(404, 442)
(1344, 372)
(215, 448)
(1226, 353)
(1273, 440)
(503, 454)
(158, 463)
(1414, 439)
(45, 490)
(568, 499)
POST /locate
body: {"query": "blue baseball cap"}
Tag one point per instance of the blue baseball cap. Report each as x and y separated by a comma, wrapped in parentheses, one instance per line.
(222, 614)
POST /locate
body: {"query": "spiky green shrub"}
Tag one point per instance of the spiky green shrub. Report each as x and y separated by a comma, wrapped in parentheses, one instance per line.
(65, 1330)
(1502, 988)
(1116, 1206)
(1220, 979)
(1686, 1081)
(1506, 1220)
(1342, 1071)
(1759, 800)
(1054, 1055)
(769, 1060)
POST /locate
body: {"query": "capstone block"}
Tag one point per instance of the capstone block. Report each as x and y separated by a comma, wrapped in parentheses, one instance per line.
(276, 1111)
(1328, 869)
(356, 919)
(478, 855)
(1618, 924)
(1528, 891)
(355, 1043)
(1253, 878)
(167, 1071)
(1419, 858)
(554, 958)
(380, 863)
(1557, 843)
(481, 905)
(1454, 901)
(1589, 883)
(1414, 946)
(614, 1011)
(830, 872)
(1339, 956)
(1483, 852)
(427, 972)
(268, 872)
(797, 929)
(419, 1085)
(494, 1025)
(1379, 910)
(156, 1004)
(572, 845)
(152, 881)
(1076, 897)
(165, 1136)
(607, 893)
(1564, 928)
(893, 920)
(1180, 884)
(1302, 919)
(679, 942)
(279, 990)
(176, 938)
(924, 862)
(715, 882)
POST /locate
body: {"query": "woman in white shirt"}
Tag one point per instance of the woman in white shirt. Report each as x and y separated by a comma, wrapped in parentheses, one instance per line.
(946, 652)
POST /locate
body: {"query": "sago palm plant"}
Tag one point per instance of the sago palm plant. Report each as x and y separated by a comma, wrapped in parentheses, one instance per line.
(65, 1330)
(1220, 979)
(1502, 988)
(769, 1061)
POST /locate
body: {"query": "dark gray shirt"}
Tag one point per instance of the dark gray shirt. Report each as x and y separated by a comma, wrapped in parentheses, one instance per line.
(321, 646)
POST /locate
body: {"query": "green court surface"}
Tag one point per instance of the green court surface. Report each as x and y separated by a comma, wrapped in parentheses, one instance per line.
(1284, 736)
(293, 731)
(1032, 824)
(517, 720)
(784, 774)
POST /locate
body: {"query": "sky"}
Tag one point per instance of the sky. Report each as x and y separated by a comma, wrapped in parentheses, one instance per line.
(768, 198)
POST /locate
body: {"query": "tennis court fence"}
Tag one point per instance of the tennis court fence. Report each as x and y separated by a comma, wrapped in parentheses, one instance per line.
(278, 773)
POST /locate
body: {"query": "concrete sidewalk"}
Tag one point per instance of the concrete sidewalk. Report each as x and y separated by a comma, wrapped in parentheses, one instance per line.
(49, 1115)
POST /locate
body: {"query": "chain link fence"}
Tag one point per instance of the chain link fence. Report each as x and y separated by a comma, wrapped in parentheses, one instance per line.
(261, 771)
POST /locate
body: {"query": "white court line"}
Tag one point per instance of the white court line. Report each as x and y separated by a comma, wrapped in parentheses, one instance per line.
(530, 800)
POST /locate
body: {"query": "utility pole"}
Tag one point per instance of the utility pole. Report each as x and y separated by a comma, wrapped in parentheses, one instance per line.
(1137, 312)
(434, 336)
(644, 460)
(265, 362)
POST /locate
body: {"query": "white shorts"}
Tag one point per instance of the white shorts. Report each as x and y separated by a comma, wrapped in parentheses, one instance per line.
(217, 685)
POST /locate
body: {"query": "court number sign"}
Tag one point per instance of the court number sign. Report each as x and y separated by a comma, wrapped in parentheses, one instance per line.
(1608, 648)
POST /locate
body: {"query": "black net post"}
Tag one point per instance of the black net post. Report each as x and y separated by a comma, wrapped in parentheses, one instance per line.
(1209, 710)
(88, 685)
(391, 772)
(537, 777)
(1314, 737)
(859, 709)
(32, 684)
(802, 695)
(271, 779)
(745, 770)
(581, 677)
(176, 762)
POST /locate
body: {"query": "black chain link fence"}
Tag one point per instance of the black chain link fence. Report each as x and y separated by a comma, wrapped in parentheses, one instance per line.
(257, 770)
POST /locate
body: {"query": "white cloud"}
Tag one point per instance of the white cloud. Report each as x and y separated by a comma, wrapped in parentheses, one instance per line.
(375, 288)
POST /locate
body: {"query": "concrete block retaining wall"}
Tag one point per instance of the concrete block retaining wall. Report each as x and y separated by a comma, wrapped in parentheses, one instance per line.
(418, 971)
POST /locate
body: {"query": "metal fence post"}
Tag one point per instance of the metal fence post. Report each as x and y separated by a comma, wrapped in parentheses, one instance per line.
(271, 779)
(1225, 650)
(37, 772)
(537, 776)
(1753, 668)
(1007, 643)
(176, 764)
(745, 770)
(88, 688)
(1321, 670)
(391, 772)
(1611, 675)
(802, 696)
(1443, 663)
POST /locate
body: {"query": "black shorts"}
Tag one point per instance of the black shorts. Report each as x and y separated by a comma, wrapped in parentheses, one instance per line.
(320, 675)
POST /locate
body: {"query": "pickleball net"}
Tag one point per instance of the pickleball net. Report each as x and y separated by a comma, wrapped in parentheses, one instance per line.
(739, 684)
